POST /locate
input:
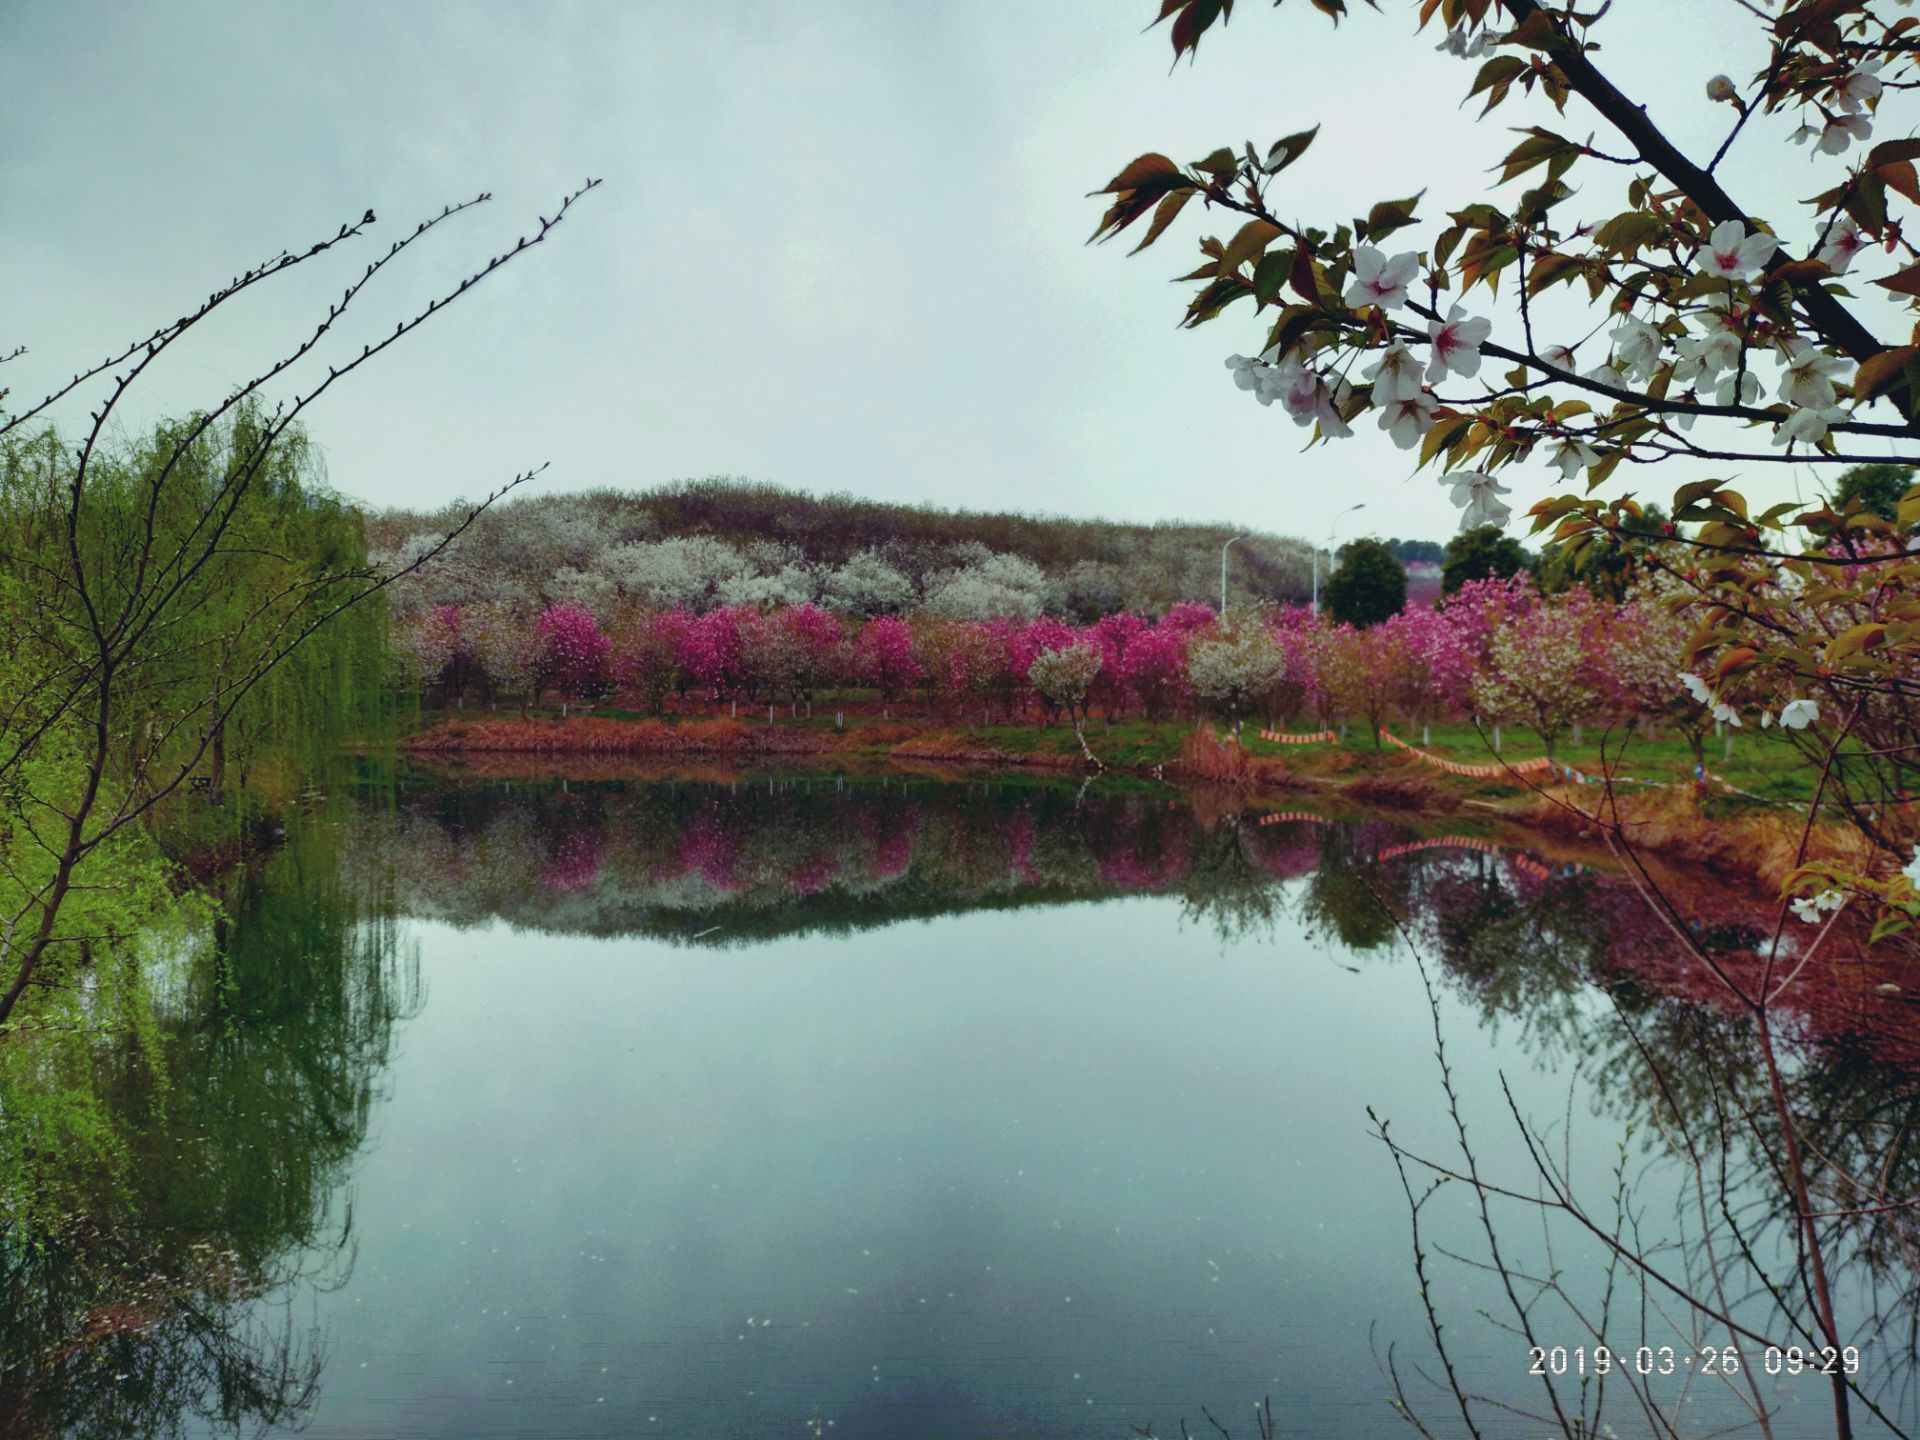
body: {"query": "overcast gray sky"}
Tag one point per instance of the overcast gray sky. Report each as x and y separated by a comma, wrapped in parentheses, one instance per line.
(840, 245)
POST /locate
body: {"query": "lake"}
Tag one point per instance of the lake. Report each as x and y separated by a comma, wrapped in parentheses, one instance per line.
(717, 1105)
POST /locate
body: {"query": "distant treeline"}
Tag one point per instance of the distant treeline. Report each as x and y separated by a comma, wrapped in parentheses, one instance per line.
(698, 544)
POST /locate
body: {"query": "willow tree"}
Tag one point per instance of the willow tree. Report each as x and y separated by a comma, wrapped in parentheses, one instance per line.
(150, 593)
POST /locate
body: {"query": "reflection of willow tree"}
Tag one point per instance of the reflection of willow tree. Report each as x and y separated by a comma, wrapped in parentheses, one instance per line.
(1346, 890)
(161, 1194)
(1228, 887)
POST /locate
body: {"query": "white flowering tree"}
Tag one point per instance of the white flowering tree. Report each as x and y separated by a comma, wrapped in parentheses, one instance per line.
(1233, 666)
(1063, 677)
(1650, 316)
(993, 587)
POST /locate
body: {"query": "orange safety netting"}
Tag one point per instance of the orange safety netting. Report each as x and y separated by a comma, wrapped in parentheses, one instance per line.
(1281, 737)
(1477, 772)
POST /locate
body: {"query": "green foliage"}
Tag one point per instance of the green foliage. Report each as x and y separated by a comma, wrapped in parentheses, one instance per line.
(1368, 584)
(1609, 568)
(1484, 553)
(1418, 552)
(196, 589)
(1875, 488)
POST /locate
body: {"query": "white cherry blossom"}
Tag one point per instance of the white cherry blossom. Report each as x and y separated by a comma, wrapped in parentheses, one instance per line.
(1477, 494)
(1637, 347)
(1246, 371)
(1456, 344)
(1458, 43)
(1808, 425)
(1808, 376)
(1380, 281)
(1704, 357)
(1726, 714)
(1810, 908)
(1573, 455)
(1696, 687)
(1862, 83)
(1738, 389)
(1732, 253)
(1842, 131)
(1844, 241)
(1798, 714)
(1720, 88)
(1406, 420)
(1305, 394)
(1559, 356)
(1395, 375)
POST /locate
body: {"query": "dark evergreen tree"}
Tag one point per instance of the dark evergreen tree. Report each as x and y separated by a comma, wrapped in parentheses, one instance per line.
(1486, 553)
(1368, 584)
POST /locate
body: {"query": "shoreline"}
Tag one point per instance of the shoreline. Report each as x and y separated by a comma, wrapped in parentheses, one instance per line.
(1753, 844)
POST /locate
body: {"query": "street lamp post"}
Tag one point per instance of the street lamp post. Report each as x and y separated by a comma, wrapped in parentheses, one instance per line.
(1316, 554)
(1223, 570)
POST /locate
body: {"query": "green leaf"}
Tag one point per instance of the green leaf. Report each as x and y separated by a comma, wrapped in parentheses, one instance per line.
(1270, 274)
(1251, 239)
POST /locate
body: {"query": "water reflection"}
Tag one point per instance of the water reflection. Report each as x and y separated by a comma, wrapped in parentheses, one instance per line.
(151, 1276)
(169, 1192)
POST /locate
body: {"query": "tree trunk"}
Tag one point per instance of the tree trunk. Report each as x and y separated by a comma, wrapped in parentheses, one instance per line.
(1079, 733)
(217, 781)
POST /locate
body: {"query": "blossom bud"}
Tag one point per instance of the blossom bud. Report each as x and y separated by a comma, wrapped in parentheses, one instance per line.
(1720, 89)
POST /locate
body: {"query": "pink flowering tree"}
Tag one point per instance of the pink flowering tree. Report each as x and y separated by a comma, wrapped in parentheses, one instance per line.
(1155, 662)
(1472, 613)
(714, 651)
(1431, 647)
(677, 628)
(575, 658)
(1300, 634)
(883, 657)
(1112, 635)
(821, 649)
(1189, 616)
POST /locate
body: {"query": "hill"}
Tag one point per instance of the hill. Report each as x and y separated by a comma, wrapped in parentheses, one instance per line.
(701, 543)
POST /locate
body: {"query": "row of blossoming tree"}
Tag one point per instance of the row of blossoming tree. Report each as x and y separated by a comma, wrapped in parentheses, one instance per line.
(1496, 651)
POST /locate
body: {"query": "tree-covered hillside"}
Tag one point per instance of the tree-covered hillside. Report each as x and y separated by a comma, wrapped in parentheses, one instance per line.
(701, 543)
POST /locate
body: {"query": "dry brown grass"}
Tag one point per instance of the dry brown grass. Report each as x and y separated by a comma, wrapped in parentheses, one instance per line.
(1205, 756)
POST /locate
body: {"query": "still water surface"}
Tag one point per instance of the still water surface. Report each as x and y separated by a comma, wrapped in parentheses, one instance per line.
(885, 1108)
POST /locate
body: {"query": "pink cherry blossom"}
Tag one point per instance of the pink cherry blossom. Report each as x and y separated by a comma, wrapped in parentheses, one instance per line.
(1732, 253)
(1456, 344)
(1380, 281)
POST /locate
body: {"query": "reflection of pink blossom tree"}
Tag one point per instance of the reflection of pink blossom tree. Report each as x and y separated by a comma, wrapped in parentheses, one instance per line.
(575, 861)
